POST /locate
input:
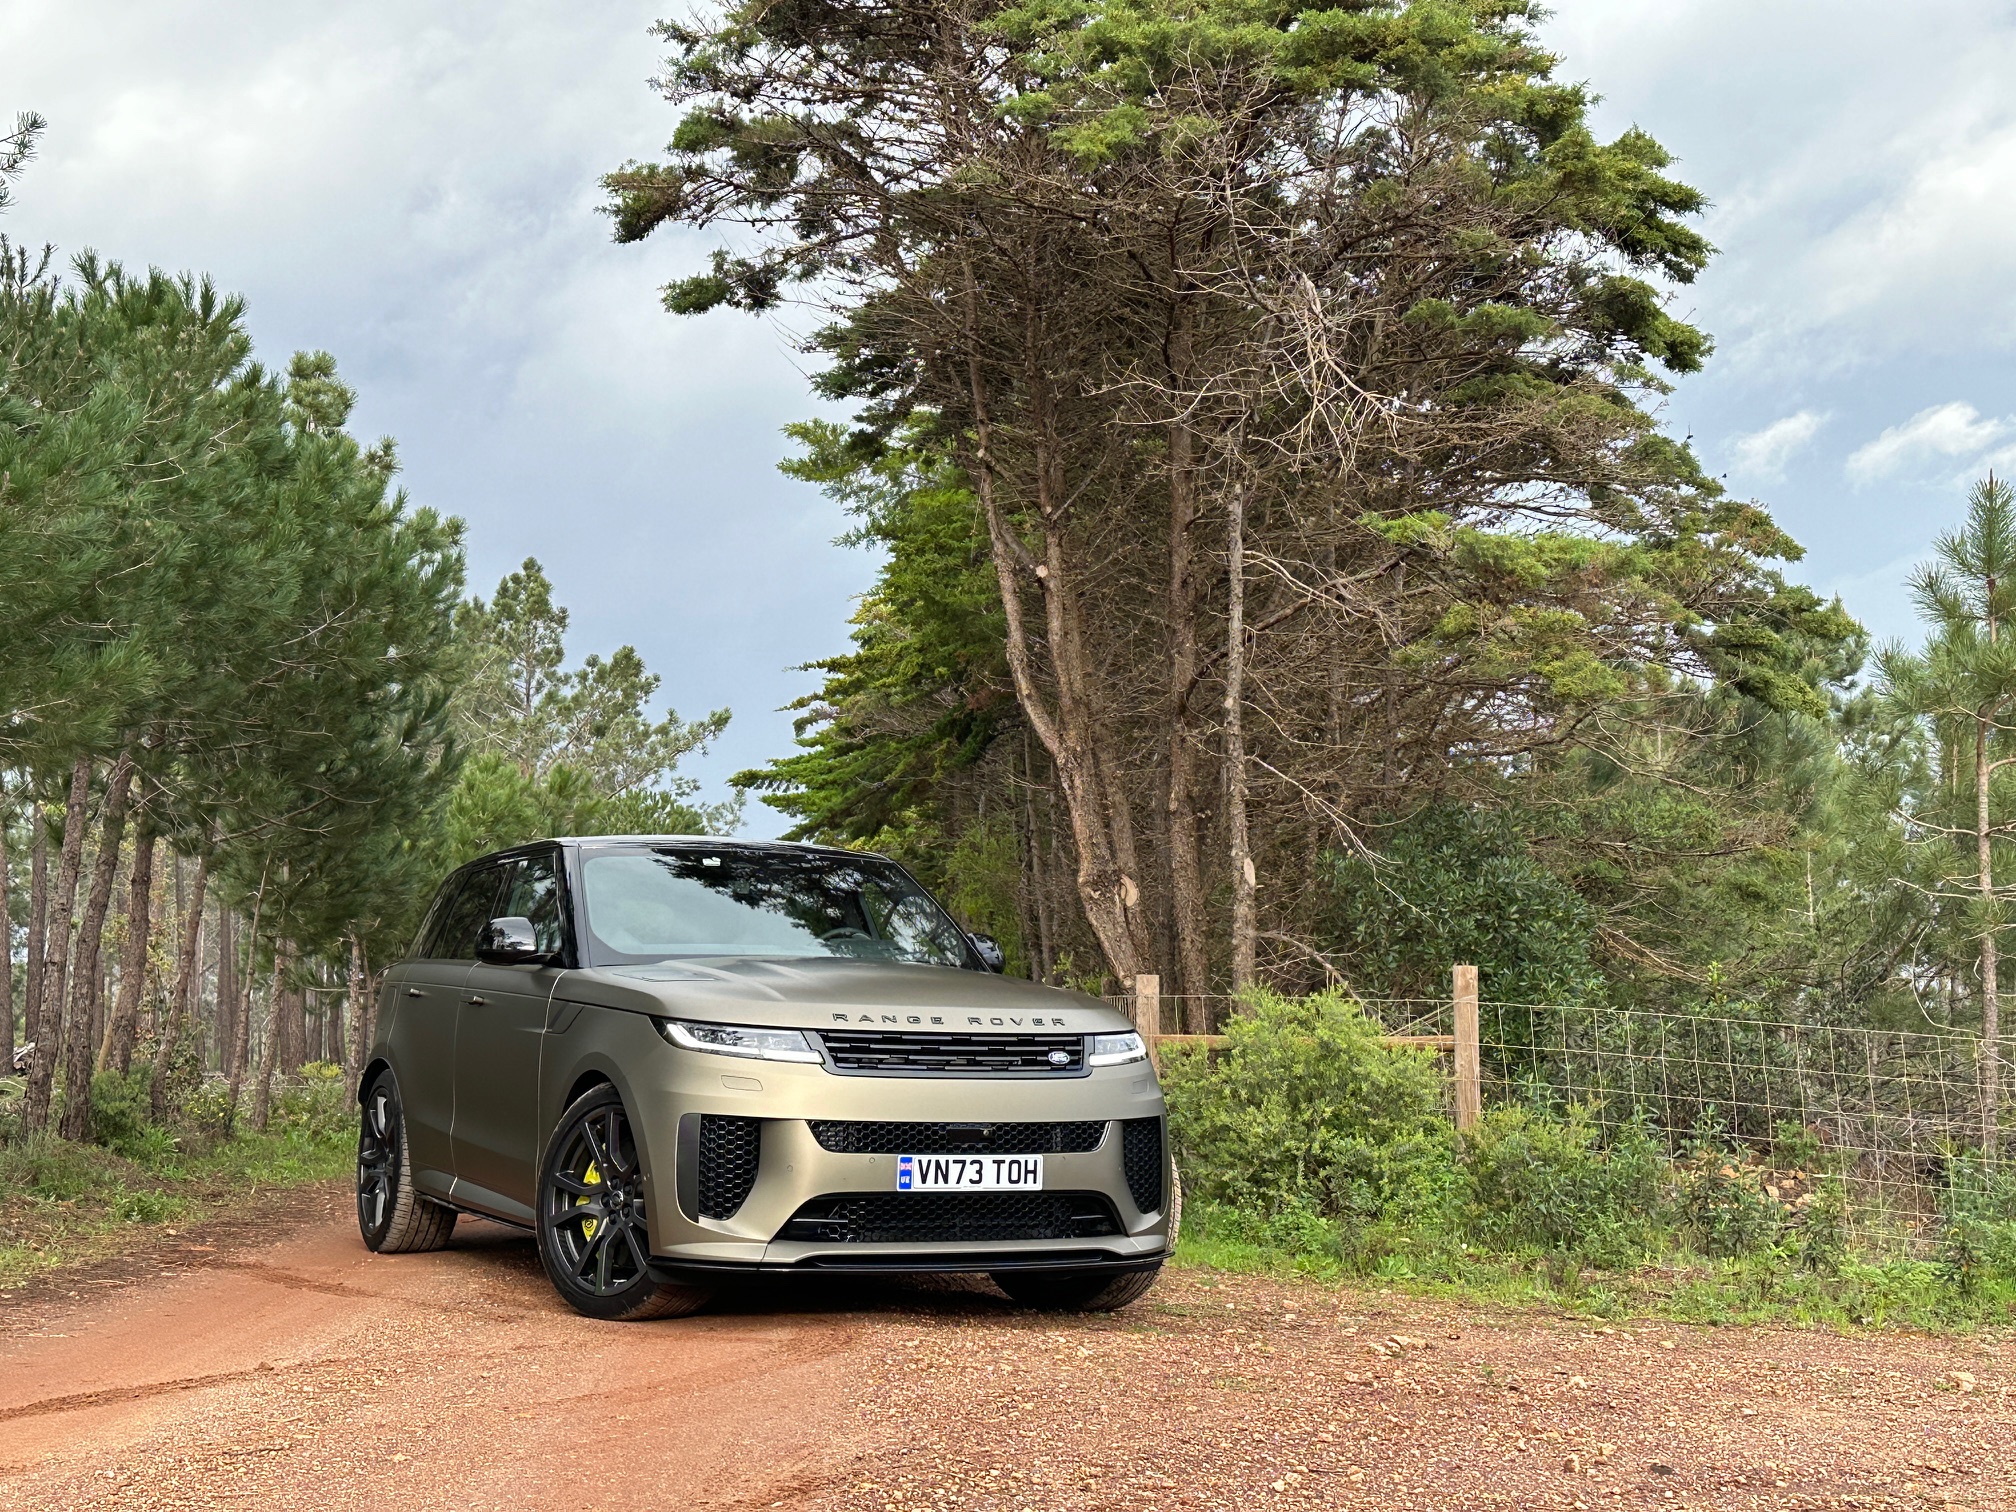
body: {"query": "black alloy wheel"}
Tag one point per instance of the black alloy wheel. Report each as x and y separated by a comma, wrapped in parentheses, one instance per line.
(393, 1218)
(594, 1231)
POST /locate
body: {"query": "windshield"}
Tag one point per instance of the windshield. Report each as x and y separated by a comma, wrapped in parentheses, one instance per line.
(646, 905)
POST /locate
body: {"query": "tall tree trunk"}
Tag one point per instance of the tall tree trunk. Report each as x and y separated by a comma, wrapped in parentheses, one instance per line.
(358, 1017)
(241, 1054)
(295, 1049)
(6, 938)
(38, 915)
(56, 947)
(1991, 996)
(1245, 929)
(1102, 833)
(227, 991)
(1189, 916)
(269, 1054)
(124, 1028)
(80, 1045)
(1044, 941)
(178, 999)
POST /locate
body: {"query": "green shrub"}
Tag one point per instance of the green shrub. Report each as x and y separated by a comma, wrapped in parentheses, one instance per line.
(1308, 1111)
(1978, 1224)
(1723, 1204)
(1538, 1181)
(121, 1118)
(314, 1102)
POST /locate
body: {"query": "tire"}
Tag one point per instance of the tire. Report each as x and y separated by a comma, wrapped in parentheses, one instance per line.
(393, 1218)
(1076, 1291)
(594, 1235)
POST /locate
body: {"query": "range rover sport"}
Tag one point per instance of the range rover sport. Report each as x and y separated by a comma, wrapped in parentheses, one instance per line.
(679, 1060)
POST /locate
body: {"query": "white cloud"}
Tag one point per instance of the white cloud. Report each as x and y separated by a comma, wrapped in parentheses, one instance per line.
(1943, 432)
(1763, 454)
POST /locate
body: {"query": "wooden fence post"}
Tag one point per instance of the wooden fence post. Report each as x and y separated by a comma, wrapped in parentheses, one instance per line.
(1469, 1062)
(1148, 1012)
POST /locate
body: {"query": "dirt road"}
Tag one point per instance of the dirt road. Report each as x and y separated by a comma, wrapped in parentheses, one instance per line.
(301, 1372)
(312, 1374)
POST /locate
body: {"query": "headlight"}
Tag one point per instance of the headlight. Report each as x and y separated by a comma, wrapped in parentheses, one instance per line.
(734, 1039)
(1115, 1049)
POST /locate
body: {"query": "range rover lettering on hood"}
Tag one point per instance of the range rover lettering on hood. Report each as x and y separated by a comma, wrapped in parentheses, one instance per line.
(937, 1020)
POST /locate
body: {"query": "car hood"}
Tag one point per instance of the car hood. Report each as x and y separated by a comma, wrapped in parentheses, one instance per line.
(832, 992)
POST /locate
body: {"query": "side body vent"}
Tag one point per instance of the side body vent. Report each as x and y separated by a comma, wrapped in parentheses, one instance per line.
(1147, 1168)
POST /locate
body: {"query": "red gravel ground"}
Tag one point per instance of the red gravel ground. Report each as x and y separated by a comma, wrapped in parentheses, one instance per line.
(289, 1368)
(1230, 1392)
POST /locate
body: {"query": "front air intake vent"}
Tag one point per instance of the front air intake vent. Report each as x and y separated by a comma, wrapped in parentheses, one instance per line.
(730, 1149)
(1142, 1159)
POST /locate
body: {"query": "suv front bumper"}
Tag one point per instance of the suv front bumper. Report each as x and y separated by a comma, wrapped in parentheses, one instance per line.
(793, 1168)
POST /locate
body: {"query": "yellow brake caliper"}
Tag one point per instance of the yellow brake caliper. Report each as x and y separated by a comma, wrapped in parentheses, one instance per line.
(588, 1225)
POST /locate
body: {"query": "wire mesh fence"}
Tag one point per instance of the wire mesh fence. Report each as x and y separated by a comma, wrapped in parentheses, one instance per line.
(1884, 1111)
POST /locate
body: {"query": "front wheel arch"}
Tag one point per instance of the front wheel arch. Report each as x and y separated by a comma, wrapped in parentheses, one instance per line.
(593, 1154)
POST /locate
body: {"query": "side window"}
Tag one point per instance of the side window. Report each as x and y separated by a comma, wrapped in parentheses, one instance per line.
(534, 893)
(430, 927)
(472, 909)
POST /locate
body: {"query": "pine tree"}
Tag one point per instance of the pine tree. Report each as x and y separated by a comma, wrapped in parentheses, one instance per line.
(1962, 685)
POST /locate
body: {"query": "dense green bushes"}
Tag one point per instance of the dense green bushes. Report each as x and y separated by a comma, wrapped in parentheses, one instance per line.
(1309, 1137)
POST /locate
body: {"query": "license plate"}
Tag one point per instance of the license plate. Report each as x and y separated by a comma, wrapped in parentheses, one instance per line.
(969, 1173)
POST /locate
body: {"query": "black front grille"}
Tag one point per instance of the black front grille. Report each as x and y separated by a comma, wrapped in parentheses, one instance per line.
(869, 1138)
(1141, 1158)
(950, 1218)
(872, 1052)
(729, 1150)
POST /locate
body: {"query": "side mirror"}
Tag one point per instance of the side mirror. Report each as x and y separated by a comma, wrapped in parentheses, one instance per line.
(989, 950)
(508, 941)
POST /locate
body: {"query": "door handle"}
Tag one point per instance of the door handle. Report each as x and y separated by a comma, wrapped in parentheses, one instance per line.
(414, 992)
(476, 1001)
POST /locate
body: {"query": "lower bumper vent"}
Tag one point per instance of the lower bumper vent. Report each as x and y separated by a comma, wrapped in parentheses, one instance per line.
(1146, 1166)
(729, 1152)
(950, 1218)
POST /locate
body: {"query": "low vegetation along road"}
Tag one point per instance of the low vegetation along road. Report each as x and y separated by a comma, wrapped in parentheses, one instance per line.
(291, 1369)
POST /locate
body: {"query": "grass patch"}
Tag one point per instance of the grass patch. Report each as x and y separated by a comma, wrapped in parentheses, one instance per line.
(1684, 1288)
(64, 1204)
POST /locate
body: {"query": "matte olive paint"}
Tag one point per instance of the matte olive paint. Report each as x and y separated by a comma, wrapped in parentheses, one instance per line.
(489, 1057)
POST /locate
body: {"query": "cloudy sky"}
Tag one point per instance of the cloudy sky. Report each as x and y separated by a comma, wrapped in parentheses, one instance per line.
(411, 185)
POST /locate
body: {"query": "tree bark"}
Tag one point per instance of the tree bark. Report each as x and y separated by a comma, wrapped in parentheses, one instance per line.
(269, 1055)
(358, 1017)
(6, 937)
(123, 1030)
(1245, 941)
(242, 1052)
(178, 1001)
(1991, 997)
(38, 914)
(80, 1044)
(1189, 917)
(227, 991)
(56, 957)
(296, 1049)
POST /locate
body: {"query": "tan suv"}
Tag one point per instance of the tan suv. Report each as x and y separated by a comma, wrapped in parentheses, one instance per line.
(679, 1060)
